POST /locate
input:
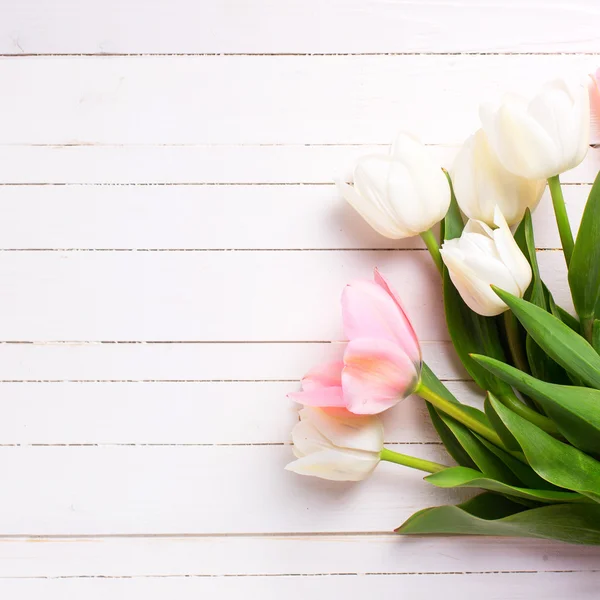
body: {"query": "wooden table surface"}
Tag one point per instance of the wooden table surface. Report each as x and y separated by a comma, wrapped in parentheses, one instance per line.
(172, 256)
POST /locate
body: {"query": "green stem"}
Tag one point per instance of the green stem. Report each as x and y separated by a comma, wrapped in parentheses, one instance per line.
(521, 409)
(515, 343)
(434, 249)
(411, 461)
(455, 411)
(562, 219)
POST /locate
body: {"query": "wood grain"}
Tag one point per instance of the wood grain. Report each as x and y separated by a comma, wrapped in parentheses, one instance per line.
(260, 99)
(184, 26)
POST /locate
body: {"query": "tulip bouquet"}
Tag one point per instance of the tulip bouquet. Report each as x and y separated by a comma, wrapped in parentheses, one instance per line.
(533, 447)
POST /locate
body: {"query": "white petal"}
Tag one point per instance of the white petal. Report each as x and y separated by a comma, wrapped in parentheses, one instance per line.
(371, 213)
(346, 430)
(307, 439)
(511, 254)
(336, 465)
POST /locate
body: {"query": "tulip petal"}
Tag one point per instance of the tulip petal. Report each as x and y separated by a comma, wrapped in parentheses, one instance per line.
(369, 311)
(325, 375)
(336, 465)
(331, 396)
(344, 429)
(307, 439)
(377, 375)
(405, 334)
(511, 254)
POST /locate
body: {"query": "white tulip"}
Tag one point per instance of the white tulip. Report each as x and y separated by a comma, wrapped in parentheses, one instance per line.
(481, 183)
(544, 137)
(401, 194)
(482, 257)
(335, 444)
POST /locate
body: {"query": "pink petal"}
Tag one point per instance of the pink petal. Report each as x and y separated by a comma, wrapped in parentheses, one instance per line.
(409, 340)
(321, 397)
(325, 375)
(377, 375)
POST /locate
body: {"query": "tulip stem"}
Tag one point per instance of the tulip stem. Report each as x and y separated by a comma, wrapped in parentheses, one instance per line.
(562, 219)
(455, 410)
(434, 249)
(411, 461)
(515, 343)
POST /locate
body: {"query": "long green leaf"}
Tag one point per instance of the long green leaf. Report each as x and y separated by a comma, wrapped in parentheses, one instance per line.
(489, 514)
(574, 410)
(469, 478)
(452, 445)
(556, 462)
(486, 462)
(559, 341)
(505, 435)
(584, 268)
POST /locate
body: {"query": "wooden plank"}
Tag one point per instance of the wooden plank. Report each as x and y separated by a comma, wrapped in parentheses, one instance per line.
(210, 164)
(203, 489)
(186, 362)
(180, 413)
(212, 296)
(264, 99)
(183, 26)
(308, 555)
(498, 586)
(188, 217)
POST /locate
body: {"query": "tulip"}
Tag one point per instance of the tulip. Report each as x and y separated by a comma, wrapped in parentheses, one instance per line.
(335, 444)
(594, 90)
(481, 183)
(382, 361)
(401, 194)
(544, 137)
(482, 257)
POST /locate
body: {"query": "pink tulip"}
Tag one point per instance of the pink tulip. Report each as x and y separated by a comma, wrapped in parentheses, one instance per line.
(382, 362)
(594, 89)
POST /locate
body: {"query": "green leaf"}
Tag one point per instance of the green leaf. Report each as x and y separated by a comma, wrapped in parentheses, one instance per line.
(574, 410)
(486, 462)
(524, 473)
(489, 514)
(584, 268)
(469, 478)
(452, 445)
(596, 335)
(505, 435)
(556, 462)
(560, 313)
(452, 224)
(561, 343)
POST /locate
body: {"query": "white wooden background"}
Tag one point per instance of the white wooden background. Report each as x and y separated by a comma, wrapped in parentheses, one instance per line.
(172, 255)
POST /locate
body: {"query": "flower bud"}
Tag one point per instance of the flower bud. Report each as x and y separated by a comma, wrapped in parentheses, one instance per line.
(482, 257)
(544, 137)
(335, 444)
(401, 194)
(481, 183)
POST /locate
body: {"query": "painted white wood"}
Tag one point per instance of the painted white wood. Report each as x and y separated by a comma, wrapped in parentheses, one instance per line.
(273, 555)
(210, 164)
(499, 586)
(212, 296)
(210, 217)
(187, 362)
(184, 26)
(180, 413)
(192, 490)
(264, 99)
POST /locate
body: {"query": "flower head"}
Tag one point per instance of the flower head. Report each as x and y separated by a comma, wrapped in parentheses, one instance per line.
(401, 194)
(544, 137)
(335, 444)
(482, 257)
(382, 362)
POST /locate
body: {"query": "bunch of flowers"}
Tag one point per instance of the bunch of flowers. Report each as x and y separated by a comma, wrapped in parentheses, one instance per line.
(533, 448)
